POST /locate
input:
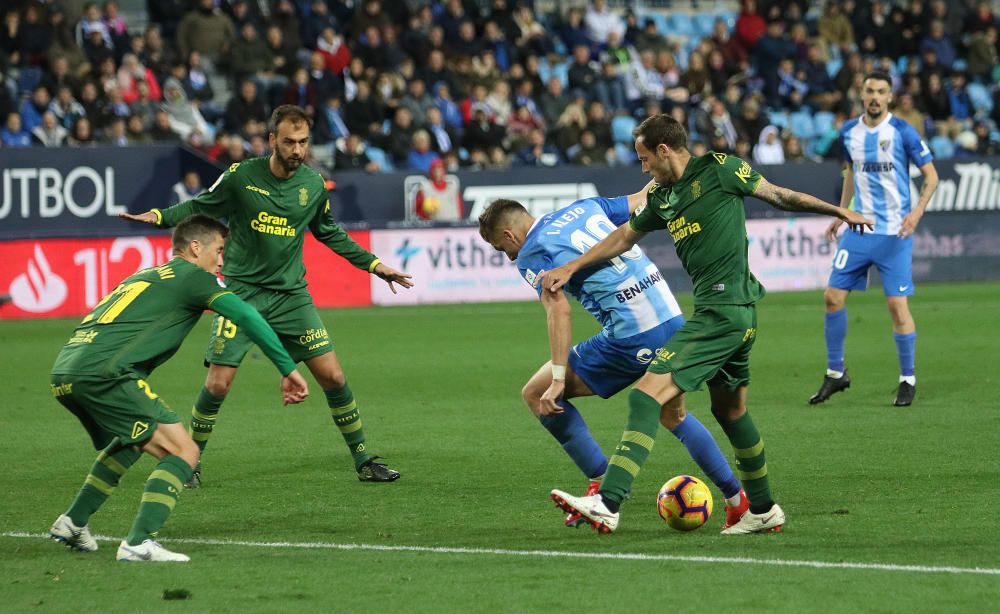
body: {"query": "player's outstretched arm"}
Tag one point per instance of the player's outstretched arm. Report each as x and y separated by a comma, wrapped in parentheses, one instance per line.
(639, 198)
(909, 223)
(391, 276)
(149, 217)
(560, 327)
(293, 387)
(615, 244)
(790, 200)
(846, 196)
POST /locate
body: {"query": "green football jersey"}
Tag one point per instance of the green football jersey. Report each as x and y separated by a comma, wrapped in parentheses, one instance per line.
(268, 218)
(703, 212)
(140, 325)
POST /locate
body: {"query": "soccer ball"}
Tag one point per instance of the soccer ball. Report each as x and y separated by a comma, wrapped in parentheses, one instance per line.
(685, 503)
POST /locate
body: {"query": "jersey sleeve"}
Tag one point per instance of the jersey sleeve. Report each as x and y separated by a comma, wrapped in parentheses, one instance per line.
(329, 233)
(531, 265)
(736, 176)
(615, 208)
(916, 149)
(201, 289)
(215, 202)
(845, 151)
(644, 218)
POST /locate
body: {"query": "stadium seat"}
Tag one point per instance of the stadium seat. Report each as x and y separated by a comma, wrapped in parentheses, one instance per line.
(703, 24)
(943, 147)
(680, 24)
(561, 71)
(381, 157)
(625, 155)
(833, 66)
(729, 17)
(823, 122)
(779, 119)
(621, 129)
(981, 98)
(802, 125)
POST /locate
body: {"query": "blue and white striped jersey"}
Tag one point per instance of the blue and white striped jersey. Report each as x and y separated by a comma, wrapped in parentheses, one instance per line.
(628, 295)
(881, 158)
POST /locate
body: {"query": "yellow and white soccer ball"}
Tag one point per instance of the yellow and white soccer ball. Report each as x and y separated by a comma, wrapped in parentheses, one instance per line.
(684, 502)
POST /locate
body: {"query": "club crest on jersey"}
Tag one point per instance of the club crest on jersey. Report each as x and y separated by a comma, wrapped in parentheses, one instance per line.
(532, 278)
(303, 197)
(884, 145)
(139, 428)
(695, 189)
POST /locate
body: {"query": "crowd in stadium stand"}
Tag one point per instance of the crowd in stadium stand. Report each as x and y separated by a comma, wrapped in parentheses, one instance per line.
(398, 84)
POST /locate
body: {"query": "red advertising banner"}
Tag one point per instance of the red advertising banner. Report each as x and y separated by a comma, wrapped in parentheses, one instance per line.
(66, 277)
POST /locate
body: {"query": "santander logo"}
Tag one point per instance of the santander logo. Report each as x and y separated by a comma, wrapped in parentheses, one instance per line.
(39, 289)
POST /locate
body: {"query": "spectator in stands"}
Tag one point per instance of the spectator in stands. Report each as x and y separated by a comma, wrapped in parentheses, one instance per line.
(588, 152)
(65, 108)
(696, 79)
(538, 152)
(364, 115)
(250, 55)
(750, 123)
(822, 92)
(318, 20)
(115, 134)
(131, 74)
(979, 19)
(835, 28)
(49, 133)
(159, 56)
(792, 88)
(570, 125)
(244, 107)
(334, 50)
(773, 47)
(167, 13)
(137, 132)
(235, 151)
(115, 23)
(793, 150)
(937, 41)
(553, 101)
(872, 29)
(531, 36)
(144, 107)
(769, 149)
(451, 114)
(421, 155)
(438, 198)
(481, 134)
(712, 118)
(96, 46)
(443, 139)
(399, 140)
(750, 26)
(207, 31)
(907, 111)
(983, 58)
(949, 16)
(521, 124)
(330, 124)
(90, 21)
(90, 99)
(436, 70)
(284, 17)
(417, 100)
(82, 134)
(958, 98)
(966, 144)
(353, 157)
(187, 188)
(985, 144)
(644, 82)
(650, 39)
(600, 124)
(33, 109)
(936, 101)
(59, 75)
(300, 92)
(63, 42)
(601, 21)
(388, 90)
(184, 117)
(284, 50)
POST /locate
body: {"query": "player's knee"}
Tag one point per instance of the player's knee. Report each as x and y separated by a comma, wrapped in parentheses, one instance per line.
(834, 300)
(672, 414)
(188, 450)
(332, 380)
(218, 385)
(531, 395)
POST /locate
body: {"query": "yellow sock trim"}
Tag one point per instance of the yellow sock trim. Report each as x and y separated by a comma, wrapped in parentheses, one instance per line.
(99, 484)
(167, 477)
(750, 452)
(751, 475)
(626, 464)
(641, 439)
(111, 464)
(155, 497)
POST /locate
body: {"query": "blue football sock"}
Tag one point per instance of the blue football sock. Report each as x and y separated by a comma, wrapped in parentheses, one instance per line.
(906, 346)
(702, 447)
(835, 329)
(571, 431)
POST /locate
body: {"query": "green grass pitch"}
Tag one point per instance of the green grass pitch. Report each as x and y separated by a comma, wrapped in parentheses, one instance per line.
(913, 489)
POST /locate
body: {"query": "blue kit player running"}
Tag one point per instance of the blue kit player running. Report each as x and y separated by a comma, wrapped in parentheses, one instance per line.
(878, 150)
(638, 314)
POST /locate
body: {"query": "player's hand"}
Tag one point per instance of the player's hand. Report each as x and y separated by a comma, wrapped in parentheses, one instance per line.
(147, 218)
(391, 276)
(556, 278)
(833, 229)
(909, 224)
(857, 222)
(293, 388)
(548, 406)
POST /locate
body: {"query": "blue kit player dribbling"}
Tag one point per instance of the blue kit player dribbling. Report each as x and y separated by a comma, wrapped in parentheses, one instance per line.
(638, 314)
(878, 150)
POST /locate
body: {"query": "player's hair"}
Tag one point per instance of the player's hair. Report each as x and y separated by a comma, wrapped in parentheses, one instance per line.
(500, 212)
(879, 75)
(288, 113)
(197, 227)
(661, 129)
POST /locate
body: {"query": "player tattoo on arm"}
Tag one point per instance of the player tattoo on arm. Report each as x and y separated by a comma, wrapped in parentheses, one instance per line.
(790, 200)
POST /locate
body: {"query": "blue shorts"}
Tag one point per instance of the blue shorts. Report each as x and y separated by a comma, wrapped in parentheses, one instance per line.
(891, 255)
(608, 365)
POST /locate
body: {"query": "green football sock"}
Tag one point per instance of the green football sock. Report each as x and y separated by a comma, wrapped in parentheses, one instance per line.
(751, 466)
(637, 441)
(110, 466)
(159, 497)
(344, 411)
(203, 415)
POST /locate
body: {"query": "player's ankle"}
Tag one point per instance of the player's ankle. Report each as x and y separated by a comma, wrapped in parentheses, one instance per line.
(613, 506)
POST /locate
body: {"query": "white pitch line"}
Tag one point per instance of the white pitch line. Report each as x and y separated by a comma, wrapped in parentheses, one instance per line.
(924, 569)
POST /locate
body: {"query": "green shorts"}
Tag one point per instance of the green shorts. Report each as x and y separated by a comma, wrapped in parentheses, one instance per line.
(122, 407)
(291, 314)
(713, 346)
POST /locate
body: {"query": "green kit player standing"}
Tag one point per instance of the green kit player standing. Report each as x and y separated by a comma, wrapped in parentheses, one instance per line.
(270, 202)
(100, 376)
(699, 201)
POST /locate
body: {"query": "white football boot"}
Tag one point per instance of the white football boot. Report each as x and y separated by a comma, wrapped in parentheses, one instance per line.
(149, 550)
(770, 521)
(78, 538)
(592, 509)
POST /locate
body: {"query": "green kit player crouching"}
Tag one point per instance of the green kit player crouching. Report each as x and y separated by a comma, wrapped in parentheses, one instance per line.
(100, 376)
(699, 201)
(271, 202)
